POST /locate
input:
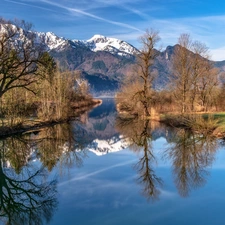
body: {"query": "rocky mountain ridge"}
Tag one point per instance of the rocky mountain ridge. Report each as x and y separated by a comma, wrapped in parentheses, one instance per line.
(95, 44)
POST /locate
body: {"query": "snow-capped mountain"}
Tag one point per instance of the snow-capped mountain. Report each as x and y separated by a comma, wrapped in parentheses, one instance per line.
(112, 45)
(95, 44)
(48, 40)
(51, 40)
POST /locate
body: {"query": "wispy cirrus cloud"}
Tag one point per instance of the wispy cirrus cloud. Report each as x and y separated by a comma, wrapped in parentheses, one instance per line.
(84, 13)
(74, 11)
(125, 20)
(29, 4)
(125, 4)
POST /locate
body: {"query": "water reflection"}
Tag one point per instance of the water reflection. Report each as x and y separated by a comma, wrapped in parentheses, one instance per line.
(190, 154)
(28, 189)
(59, 145)
(26, 195)
(97, 133)
(139, 135)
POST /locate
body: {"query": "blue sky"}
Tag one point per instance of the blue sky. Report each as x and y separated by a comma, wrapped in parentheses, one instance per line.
(204, 20)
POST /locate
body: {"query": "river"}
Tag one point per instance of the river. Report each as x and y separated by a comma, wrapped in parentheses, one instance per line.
(102, 169)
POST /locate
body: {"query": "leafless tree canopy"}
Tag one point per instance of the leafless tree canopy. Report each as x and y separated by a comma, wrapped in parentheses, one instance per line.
(194, 77)
(20, 56)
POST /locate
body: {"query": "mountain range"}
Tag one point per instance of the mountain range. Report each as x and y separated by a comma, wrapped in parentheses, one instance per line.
(105, 61)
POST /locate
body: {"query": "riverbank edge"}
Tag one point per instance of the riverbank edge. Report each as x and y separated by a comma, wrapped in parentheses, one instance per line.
(215, 129)
(6, 131)
(214, 125)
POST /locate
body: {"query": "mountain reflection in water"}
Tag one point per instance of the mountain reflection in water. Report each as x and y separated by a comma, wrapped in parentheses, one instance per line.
(36, 168)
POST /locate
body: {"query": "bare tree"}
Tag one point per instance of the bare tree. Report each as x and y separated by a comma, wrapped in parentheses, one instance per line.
(182, 71)
(143, 76)
(20, 56)
(194, 78)
(208, 87)
(145, 61)
(200, 65)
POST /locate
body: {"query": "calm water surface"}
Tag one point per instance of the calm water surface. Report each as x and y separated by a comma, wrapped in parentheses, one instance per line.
(101, 169)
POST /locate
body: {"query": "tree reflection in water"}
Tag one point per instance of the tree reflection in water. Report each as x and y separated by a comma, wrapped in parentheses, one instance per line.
(191, 154)
(26, 196)
(138, 133)
(58, 145)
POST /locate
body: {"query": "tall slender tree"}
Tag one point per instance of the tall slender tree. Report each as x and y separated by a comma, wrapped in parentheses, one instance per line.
(145, 61)
(136, 91)
(181, 78)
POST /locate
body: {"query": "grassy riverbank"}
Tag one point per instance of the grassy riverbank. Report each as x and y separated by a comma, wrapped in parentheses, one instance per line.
(205, 123)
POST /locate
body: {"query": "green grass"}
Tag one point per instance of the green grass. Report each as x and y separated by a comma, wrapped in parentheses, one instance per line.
(206, 123)
(220, 116)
